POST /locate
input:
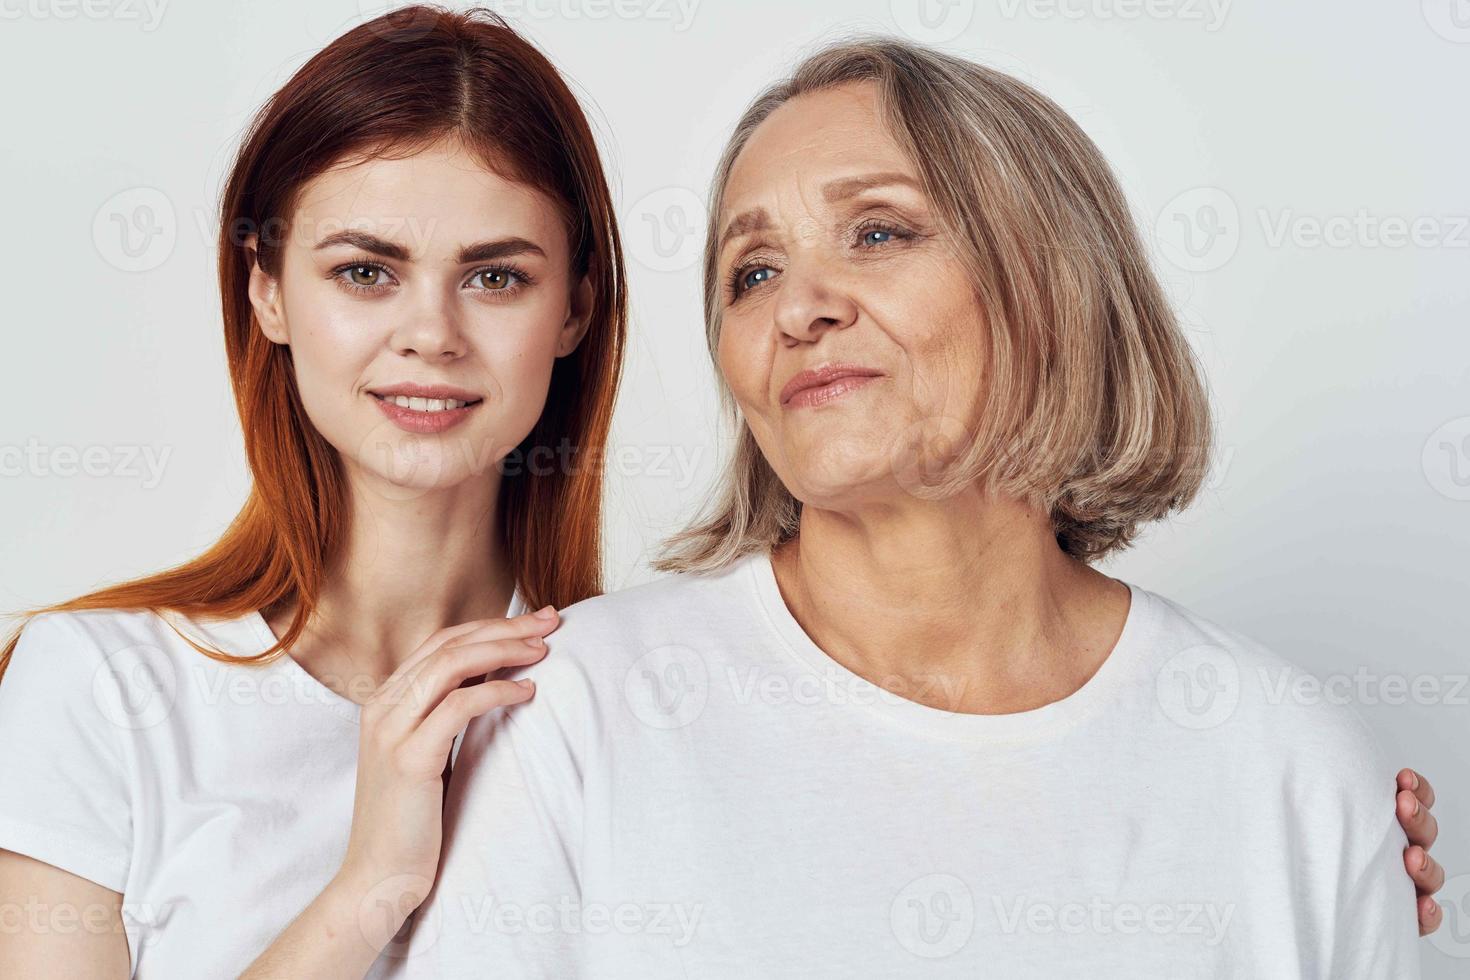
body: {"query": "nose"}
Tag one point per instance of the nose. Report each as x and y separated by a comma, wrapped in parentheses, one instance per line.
(810, 301)
(431, 329)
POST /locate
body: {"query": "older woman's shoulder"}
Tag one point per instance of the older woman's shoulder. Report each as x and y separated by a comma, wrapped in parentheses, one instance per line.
(670, 602)
(1254, 703)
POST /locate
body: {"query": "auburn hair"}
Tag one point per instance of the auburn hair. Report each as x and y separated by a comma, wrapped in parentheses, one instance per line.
(388, 87)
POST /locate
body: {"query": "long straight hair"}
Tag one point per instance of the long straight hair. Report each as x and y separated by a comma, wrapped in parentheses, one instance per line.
(387, 87)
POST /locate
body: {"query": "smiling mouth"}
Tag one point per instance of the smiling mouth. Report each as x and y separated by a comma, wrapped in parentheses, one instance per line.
(425, 405)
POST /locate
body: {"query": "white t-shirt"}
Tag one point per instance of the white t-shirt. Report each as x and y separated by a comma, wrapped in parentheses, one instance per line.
(216, 798)
(697, 790)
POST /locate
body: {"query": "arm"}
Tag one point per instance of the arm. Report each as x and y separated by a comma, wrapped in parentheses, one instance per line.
(65, 809)
(58, 924)
(408, 729)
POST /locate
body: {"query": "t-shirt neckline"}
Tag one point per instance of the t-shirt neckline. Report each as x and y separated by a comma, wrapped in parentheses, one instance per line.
(330, 699)
(1049, 719)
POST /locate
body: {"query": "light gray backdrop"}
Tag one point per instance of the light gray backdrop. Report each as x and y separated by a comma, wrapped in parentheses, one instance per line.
(1302, 167)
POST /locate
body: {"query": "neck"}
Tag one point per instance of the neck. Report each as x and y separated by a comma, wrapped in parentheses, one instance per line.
(413, 563)
(966, 604)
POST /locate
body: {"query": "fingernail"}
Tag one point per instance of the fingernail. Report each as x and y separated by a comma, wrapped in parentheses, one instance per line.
(1416, 778)
(535, 642)
(1417, 806)
(528, 684)
(546, 612)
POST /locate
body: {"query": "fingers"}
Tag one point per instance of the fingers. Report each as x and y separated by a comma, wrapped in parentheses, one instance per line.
(1410, 780)
(461, 706)
(1426, 871)
(450, 667)
(539, 623)
(1418, 823)
(1430, 915)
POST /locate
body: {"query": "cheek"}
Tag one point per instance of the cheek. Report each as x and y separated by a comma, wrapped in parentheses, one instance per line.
(330, 342)
(937, 321)
(741, 364)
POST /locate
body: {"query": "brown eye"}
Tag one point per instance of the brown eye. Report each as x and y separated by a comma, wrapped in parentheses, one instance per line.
(495, 279)
(364, 275)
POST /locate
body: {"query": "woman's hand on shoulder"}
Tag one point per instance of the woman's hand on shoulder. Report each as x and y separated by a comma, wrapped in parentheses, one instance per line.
(1415, 799)
(408, 729)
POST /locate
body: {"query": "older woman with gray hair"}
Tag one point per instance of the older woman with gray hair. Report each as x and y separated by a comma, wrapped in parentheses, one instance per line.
(886, 720)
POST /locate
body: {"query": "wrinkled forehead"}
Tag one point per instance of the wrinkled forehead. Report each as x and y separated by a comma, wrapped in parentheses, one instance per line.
(803, 150)
(809, 162)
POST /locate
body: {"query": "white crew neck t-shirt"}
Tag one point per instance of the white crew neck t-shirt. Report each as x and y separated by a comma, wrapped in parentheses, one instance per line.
(697, 790)
(216, 798)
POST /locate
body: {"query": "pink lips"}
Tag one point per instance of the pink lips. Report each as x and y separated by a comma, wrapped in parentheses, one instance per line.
(421, 421)
(822, 384)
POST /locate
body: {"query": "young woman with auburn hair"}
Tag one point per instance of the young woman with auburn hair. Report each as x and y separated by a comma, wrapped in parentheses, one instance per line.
(422, 287)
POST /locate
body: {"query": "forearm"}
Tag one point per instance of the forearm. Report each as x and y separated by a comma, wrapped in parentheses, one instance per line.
(336, 937)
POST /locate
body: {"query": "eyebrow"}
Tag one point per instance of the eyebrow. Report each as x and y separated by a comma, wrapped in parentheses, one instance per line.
(479, 252)
(757, 219)
(839, 190)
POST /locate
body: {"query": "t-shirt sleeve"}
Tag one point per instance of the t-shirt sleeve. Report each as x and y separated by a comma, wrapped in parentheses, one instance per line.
(64, 792)
(1377, 932)
(507, 900)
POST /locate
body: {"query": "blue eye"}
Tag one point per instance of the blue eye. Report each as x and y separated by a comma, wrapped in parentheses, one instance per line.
(755, 277)
(877, 236)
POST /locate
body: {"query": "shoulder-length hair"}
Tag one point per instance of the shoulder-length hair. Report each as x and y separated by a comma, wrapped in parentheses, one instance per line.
(388, 87)
(1094, 409)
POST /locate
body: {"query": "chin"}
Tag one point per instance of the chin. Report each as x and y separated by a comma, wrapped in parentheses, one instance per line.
(828, 479)
(410, 465)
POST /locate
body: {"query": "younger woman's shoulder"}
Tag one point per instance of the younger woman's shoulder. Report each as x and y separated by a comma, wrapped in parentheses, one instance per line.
(72, 643)
(93, 624)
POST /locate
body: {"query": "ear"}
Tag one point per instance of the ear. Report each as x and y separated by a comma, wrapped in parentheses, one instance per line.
(578, 318)
(265, 296)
